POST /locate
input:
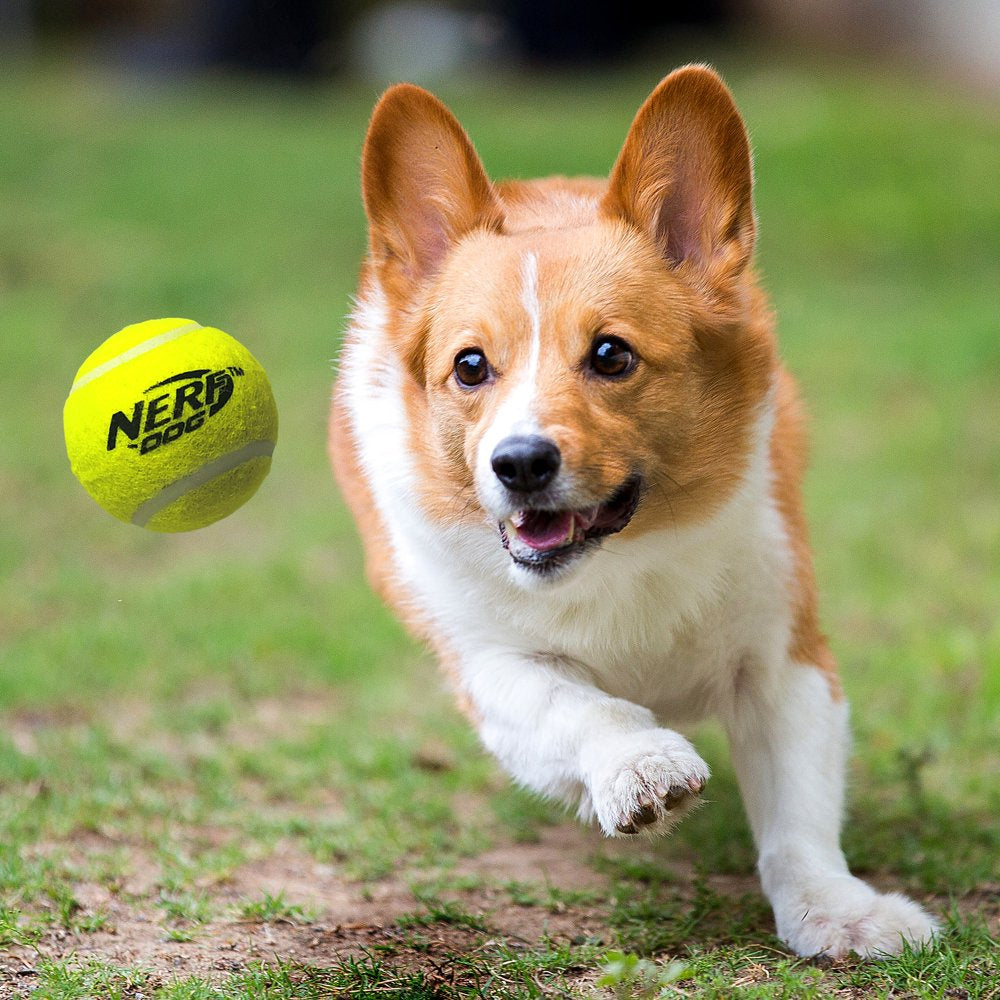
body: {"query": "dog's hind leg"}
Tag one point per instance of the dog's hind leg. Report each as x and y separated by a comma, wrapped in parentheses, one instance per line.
(789, 745)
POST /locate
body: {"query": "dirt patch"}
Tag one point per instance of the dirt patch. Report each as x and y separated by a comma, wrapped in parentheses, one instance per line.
(331, 916)
(560, 857)
(513, 896)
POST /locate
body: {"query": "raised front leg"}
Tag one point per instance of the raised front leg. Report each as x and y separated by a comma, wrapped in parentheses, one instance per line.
(561, 736)
(789, 746)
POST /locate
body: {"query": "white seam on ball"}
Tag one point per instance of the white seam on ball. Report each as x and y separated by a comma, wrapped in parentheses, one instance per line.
(145, 512)
(134, 352)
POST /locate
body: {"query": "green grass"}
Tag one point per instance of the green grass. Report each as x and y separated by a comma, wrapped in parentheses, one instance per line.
(273, 907)
(176, 710)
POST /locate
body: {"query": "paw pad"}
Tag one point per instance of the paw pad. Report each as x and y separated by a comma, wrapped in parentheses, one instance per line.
(650, 808)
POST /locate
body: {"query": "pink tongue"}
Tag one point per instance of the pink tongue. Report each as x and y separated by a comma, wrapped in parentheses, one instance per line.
(545, 530)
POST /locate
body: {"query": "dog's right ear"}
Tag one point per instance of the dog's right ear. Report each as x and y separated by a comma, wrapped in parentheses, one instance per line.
(685, 178)
(423, 184)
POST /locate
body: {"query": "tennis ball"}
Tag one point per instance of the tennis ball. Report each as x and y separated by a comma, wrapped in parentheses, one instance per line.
(170, 425)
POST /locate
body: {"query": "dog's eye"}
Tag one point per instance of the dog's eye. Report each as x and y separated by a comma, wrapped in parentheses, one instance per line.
(611, 357)
(471, 368)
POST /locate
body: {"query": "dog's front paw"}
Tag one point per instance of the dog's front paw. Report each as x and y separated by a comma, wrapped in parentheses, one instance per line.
(645, 782)
(842, 914)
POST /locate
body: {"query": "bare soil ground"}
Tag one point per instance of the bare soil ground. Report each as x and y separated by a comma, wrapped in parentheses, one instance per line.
(341, 917)
(326, 916)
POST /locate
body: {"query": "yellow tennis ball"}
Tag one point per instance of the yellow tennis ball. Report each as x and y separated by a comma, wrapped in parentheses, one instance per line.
(170, 425)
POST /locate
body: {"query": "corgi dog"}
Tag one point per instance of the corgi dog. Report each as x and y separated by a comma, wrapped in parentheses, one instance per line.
(574, 459)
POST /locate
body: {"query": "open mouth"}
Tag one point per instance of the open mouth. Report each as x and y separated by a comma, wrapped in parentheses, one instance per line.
(544, 540)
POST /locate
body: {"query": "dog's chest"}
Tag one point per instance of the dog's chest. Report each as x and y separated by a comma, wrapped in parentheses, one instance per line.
(667, 620)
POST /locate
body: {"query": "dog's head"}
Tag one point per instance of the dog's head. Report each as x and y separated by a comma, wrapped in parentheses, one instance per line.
(582, 358)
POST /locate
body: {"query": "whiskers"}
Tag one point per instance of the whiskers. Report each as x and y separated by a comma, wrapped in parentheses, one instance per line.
(465, 503)
(669, 489)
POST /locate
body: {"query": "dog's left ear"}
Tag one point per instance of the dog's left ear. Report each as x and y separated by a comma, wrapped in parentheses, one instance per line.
(424, 186)
(684, 177)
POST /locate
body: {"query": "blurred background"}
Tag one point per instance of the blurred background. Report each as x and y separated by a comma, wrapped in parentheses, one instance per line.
(199, 158)
(416, 39)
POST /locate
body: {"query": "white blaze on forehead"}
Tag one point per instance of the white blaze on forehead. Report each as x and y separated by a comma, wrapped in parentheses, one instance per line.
(516, 414)
(529, 296)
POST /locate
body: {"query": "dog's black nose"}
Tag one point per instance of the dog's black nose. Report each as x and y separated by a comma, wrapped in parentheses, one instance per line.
(525, 463)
